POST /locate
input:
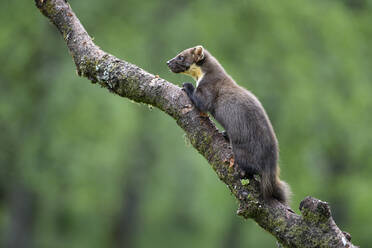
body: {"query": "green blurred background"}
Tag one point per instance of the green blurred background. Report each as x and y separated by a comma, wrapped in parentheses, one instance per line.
(80, 167)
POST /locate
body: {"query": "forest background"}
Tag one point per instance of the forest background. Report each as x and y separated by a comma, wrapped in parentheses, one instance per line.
(80, 167)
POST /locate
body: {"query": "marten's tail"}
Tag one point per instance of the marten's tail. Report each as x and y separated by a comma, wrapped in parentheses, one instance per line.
(273, 187)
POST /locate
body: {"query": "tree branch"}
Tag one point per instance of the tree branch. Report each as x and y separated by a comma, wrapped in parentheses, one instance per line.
(314, 228)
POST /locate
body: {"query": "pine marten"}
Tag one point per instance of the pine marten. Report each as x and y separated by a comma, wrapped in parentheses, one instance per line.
(240, 113)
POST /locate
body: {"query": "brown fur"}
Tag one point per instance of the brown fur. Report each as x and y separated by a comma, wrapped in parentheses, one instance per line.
(246, 123)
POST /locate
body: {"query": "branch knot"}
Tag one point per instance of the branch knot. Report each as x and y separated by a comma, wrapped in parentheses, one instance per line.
(315, 210)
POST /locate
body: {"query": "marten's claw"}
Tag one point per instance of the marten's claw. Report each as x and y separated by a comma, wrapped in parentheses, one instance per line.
(226, 136)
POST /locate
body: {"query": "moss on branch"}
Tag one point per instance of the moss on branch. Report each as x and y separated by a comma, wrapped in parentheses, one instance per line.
(314, 228)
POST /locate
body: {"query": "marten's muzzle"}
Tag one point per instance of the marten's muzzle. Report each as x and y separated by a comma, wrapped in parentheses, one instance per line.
(177, 66)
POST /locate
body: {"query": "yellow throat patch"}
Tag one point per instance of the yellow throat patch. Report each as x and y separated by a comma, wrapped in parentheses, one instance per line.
(195, 72)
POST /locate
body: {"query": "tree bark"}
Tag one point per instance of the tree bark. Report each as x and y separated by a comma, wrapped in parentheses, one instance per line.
(314, 228)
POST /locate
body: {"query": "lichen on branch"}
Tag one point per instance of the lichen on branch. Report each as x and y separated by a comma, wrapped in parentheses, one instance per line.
(314, 228)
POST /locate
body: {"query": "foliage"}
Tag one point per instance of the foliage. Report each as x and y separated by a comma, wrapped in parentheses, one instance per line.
(82, 168)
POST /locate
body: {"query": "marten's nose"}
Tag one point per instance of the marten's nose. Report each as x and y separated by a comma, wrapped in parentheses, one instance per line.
(168, 62)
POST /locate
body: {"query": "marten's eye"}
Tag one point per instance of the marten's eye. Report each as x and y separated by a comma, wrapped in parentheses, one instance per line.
(181, 57)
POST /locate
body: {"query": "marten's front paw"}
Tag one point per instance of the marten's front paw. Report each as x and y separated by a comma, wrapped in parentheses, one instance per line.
(188, 87)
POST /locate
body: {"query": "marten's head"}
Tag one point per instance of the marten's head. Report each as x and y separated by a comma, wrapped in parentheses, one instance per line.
(188, 62)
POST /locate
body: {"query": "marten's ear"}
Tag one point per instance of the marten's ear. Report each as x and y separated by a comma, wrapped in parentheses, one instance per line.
(198, 53)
